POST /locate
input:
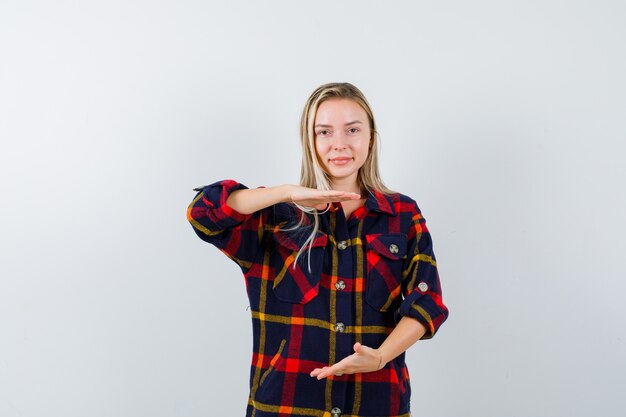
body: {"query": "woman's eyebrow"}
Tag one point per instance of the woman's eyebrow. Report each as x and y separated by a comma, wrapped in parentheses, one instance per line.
(347, 124)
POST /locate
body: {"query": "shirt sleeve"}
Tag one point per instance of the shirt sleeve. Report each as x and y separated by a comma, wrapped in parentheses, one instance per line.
(420, 280)
(237, 235)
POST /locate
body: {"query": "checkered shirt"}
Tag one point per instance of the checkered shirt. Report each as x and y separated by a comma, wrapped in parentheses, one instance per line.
(366, 272)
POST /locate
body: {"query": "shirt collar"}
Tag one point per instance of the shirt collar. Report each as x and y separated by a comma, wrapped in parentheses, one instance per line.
(377, 201)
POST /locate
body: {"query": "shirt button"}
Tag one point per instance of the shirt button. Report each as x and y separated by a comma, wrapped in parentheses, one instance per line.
(393, 248)
(336, 412)
(340, 285)
(342, 245)
(422, 286)
(340, 327)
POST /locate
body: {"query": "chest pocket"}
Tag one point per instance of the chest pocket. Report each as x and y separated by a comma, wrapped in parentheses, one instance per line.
(384, 256)
(296, 284)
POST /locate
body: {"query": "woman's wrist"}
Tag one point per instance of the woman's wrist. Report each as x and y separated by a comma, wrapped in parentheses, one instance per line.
(285, 192)
(381, 360)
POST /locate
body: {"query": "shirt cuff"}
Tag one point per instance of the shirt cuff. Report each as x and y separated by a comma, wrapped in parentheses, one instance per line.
(424, 308)
(214, 197)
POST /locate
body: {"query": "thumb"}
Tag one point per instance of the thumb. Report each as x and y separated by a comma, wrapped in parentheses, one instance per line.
(357, 347)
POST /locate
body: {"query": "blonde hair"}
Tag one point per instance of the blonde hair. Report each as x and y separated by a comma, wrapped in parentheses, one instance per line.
(312, 174)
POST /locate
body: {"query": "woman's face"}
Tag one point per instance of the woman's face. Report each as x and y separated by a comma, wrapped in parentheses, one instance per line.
(342, 137)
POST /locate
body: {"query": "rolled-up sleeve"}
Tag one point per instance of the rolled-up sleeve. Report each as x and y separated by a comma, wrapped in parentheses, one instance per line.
(238, 235)
(420, 280)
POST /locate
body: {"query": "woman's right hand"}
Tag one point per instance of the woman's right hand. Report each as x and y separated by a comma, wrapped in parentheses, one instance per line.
(312, 197)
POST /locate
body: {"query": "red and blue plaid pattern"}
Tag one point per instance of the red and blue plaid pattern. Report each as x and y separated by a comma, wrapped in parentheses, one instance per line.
(367, 272)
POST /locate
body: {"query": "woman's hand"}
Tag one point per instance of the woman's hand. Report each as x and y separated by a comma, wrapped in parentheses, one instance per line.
(311, 197)
(364, 359)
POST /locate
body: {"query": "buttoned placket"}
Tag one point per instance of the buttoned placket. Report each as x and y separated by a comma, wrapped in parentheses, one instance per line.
(344, 232)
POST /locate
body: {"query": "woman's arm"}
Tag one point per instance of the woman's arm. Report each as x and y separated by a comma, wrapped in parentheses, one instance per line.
(231, 216)
(236, 234)
(407, 332)
(366, 359)
(251, 200)
(419, 315)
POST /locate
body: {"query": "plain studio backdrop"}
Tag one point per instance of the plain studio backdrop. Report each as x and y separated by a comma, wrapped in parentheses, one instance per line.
(504, 120)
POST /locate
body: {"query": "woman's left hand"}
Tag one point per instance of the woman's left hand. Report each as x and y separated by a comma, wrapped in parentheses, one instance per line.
(364, 359)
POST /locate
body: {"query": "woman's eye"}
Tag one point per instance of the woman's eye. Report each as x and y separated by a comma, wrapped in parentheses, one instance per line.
(322, 132)
(353, 130)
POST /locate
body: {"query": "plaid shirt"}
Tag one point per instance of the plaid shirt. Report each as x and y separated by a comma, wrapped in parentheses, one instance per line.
(367, 272)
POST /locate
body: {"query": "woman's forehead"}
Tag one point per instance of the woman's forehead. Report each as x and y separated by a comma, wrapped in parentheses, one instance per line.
(340, 111)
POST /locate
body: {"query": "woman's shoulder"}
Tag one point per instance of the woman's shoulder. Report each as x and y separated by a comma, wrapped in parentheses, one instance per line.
(408, 213)
(402, 202)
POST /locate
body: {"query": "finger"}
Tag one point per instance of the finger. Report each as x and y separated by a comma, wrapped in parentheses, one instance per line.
(325, 374)
(362, 349)
(336, 369)
(347, 197)
(317, 371)
(344, 366)
(331, 194)
(338, 194)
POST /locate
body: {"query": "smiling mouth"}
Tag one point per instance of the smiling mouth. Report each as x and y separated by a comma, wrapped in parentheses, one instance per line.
(340, 161)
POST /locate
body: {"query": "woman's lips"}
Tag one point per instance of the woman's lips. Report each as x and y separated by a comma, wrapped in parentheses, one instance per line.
(340, 161)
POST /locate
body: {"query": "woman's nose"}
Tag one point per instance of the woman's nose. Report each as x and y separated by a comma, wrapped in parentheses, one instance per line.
(340, 141)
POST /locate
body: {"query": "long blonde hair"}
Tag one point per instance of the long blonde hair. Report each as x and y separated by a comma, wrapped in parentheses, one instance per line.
(312, 174)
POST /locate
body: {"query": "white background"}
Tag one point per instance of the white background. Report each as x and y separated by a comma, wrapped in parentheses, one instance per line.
(504, 120)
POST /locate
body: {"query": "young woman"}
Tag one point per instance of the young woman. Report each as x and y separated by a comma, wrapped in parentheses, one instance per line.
(339, 271)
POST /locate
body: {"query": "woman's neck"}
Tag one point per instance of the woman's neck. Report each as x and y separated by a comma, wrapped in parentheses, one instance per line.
(349, 187)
